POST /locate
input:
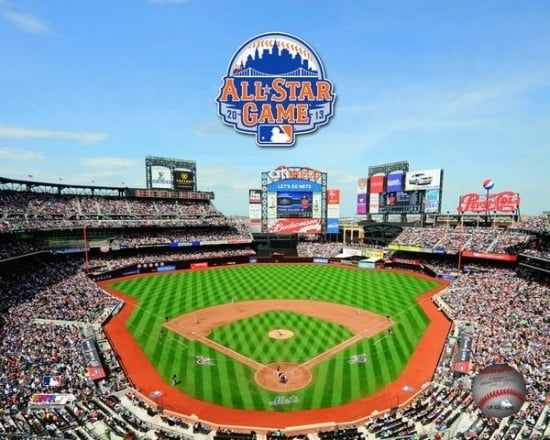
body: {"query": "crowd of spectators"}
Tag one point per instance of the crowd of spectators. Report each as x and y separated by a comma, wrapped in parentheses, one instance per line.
(535, 223)
(45, 304)
(11, 246)
(23, 210)
(33, 204)
(33, 344)
(112, 261)
(493, 240)
(138, 238)
(511, 318)
(421, 237)
(538, 247)
(508, 312)
(318, 249)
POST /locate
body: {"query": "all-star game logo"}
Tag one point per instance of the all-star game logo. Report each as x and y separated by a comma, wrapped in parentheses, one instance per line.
(275, 88)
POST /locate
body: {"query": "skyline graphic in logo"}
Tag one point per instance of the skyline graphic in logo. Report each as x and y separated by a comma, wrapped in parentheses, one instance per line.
(275, 88)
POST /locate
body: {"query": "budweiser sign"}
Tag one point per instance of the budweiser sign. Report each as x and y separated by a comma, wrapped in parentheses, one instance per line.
(293, 226)
(504, 202)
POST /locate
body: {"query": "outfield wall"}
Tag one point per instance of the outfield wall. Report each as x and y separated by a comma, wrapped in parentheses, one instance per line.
(203, 263)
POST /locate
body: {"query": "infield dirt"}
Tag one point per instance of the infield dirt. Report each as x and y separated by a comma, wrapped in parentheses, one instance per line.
(198, 325)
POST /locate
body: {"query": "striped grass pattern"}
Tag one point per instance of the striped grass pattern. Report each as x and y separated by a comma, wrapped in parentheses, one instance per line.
(231, 383)
(250, 337)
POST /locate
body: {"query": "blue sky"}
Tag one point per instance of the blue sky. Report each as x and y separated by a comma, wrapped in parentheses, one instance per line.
(88, 89)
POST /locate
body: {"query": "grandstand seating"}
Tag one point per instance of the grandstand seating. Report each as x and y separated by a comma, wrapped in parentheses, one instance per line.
(46, 301)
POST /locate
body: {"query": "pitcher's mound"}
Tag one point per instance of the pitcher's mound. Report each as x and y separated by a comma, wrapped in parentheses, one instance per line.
(281, 333)
(271, 377)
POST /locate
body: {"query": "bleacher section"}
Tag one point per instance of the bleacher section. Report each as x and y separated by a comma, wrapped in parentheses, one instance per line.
(46, 301)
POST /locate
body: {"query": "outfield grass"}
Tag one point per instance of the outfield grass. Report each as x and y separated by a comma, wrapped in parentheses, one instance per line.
(231, 383)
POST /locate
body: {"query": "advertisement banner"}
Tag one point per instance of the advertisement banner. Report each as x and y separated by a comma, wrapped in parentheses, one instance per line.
(395, 181)
(361, 204)
(166, 268)
(184, 179)
(295, 226)
(368, 253)
(51, 399)
(374, 203)
(463, 354)
(316, 211)
(446, 276)
(377, 184)
(404, 247)
(362, 185)
(254, 196)
(283, 172)
(201, 265)
(351, 252)
(423, 179)
(333, 196)
(504, 202)
(432, 201)
(333, 211)
(490, 256)
(295, 185)
(95, 372)
(272, 204)
(410, 261)
(161, 177)
(93, 361)
(333, 225)
(255, 211)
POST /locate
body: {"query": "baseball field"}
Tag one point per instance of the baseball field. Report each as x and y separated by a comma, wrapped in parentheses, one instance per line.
(226, 335)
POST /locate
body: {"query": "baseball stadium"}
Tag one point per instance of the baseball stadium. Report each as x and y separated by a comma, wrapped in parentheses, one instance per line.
(148, 312)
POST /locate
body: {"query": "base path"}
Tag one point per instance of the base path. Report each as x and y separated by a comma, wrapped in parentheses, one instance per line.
(198, 325)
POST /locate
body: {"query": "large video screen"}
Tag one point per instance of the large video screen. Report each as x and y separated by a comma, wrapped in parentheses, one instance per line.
(398, 202)
(423, 179)
(184, 179)
(170, 174)
(294, 204)
(161, 177)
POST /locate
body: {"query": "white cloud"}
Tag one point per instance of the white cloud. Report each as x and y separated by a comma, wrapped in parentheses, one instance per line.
(27, 23)
(17, 132)
(108, 162)
(7, 153)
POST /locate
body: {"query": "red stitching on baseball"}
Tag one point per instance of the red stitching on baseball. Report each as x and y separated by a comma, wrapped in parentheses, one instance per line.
(497, 393)
(496, 370)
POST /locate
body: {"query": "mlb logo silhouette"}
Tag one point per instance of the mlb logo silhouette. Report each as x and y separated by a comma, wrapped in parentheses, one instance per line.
(275, 135)
(52, 381)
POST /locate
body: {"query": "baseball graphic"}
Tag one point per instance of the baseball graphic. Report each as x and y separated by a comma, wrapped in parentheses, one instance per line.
(499, 390)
